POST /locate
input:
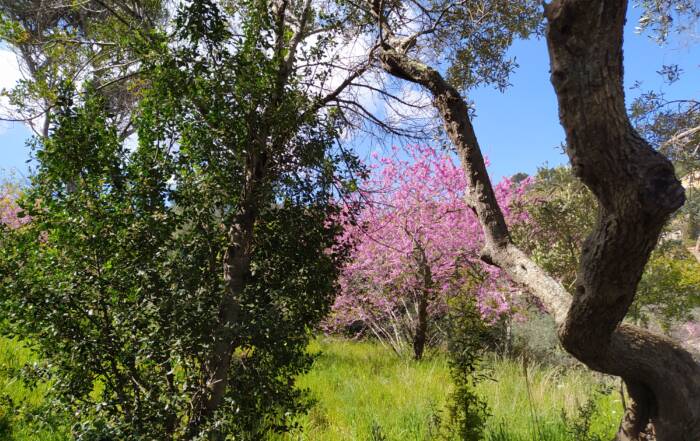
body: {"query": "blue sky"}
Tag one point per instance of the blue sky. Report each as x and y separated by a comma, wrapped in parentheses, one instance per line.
(518, 129)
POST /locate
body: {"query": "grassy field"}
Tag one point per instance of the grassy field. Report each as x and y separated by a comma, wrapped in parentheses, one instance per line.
(364, 392)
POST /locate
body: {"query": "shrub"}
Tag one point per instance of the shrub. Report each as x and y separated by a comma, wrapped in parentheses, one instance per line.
(466, 344)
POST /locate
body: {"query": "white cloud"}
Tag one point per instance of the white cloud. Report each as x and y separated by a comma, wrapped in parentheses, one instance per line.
(10, 73)
(348, 53)
(132, 142)
(413, 104)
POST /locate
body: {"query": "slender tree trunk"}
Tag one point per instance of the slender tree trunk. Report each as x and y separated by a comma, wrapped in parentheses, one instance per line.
(637, 191)
(236, 268)
(215, 369)
(425, 276)
(419, 337)
(266, 138)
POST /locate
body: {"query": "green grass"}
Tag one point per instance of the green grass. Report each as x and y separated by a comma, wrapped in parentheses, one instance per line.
(553, 390)
(364, 392)
(360, 386)
(21, 418)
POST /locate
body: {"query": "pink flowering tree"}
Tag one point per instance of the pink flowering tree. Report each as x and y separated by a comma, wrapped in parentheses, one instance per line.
(9, 210)
(417, 244)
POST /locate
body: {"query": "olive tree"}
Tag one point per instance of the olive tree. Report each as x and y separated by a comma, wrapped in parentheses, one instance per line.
(634, 185)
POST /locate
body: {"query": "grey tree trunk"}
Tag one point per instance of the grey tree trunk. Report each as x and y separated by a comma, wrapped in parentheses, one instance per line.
(216, 368)
(637, 191)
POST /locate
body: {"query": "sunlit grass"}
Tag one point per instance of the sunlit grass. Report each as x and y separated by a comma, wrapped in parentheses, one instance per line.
(359, 385)
(531, 408)
(20, 405)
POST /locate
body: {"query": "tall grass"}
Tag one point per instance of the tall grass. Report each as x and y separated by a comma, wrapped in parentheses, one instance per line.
(552, 390)
(361, 385)
(22, 416)
(364, 392)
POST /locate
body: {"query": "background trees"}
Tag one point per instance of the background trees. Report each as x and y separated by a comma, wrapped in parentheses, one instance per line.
(61, 40)
(559, 215)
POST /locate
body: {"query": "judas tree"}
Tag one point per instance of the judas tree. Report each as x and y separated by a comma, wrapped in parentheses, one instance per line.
(9, 210)
(416, 245)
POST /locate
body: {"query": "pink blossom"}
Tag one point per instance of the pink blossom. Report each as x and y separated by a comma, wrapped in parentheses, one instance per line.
(414, 199)
(10, 212)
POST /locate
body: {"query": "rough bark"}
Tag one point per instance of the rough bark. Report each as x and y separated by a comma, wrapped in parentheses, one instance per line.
(637, 191)
(236, 267)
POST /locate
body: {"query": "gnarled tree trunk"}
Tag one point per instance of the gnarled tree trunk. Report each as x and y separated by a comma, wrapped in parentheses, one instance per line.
(637, 191)
(236, 269)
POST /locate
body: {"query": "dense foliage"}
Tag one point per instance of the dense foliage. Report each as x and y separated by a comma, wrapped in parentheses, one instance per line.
(118, 277)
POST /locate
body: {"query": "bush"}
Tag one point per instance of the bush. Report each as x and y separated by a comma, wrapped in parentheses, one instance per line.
(6, 416)
(535, 338)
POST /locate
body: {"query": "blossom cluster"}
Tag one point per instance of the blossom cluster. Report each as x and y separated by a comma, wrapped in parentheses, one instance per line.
(10, 212)
(414, 200)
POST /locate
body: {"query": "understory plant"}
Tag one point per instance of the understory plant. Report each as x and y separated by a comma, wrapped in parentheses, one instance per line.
(467, 341)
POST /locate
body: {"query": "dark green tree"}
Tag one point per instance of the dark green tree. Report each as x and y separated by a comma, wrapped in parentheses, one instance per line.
(172, 288)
